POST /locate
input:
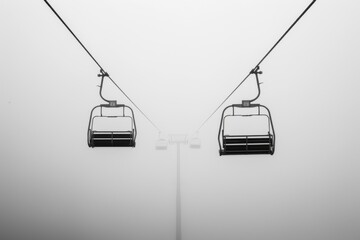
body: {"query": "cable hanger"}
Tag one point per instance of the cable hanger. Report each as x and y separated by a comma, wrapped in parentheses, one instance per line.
(257, 66)
(98, 64)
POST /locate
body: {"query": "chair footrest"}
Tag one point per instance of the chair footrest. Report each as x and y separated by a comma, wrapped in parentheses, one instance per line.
(258, 152)
(244, 147)
(112, 143)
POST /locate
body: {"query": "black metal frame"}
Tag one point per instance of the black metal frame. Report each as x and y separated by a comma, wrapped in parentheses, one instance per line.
(111, 138)
(247, 144)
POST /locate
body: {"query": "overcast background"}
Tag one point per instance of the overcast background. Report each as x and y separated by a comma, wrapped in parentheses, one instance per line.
(178, 60)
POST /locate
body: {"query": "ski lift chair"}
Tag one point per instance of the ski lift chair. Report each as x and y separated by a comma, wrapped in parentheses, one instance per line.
(161, 143)
(117, 135)
(246, 144)
(195, 142)
(241, 144)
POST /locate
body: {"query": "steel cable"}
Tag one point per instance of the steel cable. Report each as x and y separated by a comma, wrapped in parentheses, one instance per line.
(258, 65)
(97, 63)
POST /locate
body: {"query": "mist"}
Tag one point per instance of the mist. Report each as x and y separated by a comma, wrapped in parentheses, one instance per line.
(178, 60)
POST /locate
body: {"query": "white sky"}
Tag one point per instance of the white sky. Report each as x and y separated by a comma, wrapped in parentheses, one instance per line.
(178, 60)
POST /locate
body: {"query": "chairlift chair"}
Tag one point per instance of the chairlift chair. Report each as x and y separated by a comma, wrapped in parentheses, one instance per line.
(161, 143)
(119, 136)
(194, 141)
(246, 144)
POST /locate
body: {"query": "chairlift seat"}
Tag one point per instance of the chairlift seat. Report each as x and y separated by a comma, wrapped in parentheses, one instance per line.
(195, 143)
(112, 139)
(247, 144)
(161, 144)
(98, 137)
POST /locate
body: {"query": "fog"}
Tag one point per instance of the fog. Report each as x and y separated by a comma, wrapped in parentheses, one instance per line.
(178, 60)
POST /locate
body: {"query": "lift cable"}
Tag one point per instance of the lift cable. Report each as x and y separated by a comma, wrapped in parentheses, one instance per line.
(101, 68)
(258, 65)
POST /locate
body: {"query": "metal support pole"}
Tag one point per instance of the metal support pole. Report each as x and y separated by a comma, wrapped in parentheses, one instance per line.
(178, 195)
(178, 139)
